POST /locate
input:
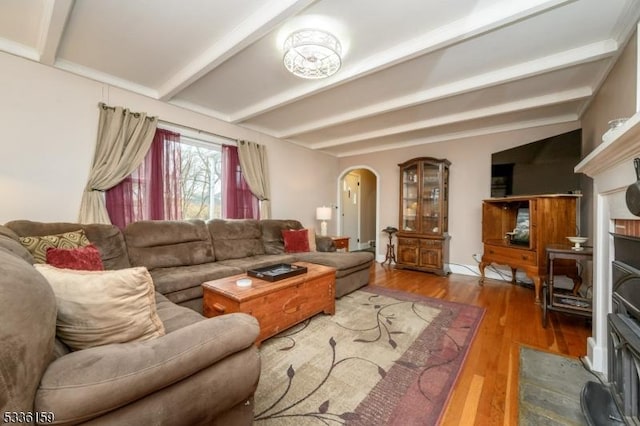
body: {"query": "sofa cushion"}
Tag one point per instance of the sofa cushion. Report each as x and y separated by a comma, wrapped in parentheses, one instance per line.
(175, 317)
(272, 239)
(296, 240)
(235, 239)
(102, 307)
(169, 280)
(165, 244)
(81, 258)
(108, 238)
(325, 243)
(38, 245)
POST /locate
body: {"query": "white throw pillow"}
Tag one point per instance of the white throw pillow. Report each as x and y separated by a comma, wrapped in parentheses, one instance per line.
(102, 307)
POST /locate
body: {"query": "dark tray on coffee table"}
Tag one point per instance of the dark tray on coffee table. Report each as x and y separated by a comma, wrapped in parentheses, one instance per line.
(277, 272)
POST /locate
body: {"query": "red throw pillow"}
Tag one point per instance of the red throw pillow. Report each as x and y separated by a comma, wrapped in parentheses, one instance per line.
(85, 258)
(295, 240)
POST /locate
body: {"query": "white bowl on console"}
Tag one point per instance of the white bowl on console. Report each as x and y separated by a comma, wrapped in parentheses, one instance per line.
(577, 241)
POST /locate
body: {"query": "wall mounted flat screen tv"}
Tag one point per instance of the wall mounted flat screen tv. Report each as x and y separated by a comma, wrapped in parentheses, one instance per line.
(541, 167)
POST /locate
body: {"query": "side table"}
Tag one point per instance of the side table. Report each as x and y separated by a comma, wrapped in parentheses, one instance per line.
(391, 250)
(341, 243)
(565, 301)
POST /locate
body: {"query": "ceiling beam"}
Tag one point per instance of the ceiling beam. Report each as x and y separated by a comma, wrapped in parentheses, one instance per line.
(199, 109)
(54, 20)
(455, 32)
(486, 112)
(581, 55)
(481, 131)
(265, 19)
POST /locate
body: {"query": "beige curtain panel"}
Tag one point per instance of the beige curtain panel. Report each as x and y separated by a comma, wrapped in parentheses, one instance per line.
(124, 138)
(253, 161)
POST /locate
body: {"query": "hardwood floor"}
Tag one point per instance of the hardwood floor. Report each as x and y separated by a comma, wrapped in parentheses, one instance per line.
(487, 390)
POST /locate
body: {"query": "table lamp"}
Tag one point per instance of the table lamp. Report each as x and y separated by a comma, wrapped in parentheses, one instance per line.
(323, 214)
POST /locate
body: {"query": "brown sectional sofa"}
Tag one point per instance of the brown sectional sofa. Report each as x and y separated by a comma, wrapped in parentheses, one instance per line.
(203, 371)
(182, 255)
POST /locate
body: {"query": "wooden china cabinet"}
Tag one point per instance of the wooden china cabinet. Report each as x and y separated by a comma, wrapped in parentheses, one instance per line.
(423, 235)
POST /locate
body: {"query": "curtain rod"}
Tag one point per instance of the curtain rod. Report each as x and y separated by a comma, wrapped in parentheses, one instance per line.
(199, 131)
(135, 114)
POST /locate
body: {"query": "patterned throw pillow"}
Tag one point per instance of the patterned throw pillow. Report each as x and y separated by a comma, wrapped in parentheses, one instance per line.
(82, 258)
(101, 307)
(295, 240)
(38, 245)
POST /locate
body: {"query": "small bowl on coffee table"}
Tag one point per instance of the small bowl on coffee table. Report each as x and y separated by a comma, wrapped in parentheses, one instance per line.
(243, 282)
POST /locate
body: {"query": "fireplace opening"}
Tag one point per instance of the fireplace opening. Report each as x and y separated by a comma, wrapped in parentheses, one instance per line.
(618, 401)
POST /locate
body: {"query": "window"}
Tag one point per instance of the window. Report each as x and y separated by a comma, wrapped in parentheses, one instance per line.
(183, 176)
(200, 180)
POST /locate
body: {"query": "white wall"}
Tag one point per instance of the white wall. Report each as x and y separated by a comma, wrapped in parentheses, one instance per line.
(470, 183)
(48, 129)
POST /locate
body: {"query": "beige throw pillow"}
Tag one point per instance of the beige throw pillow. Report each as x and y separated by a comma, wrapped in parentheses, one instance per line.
(102, 307)
(38, 245)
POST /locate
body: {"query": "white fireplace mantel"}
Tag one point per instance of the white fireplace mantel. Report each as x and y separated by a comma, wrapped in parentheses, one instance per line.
(618, 145)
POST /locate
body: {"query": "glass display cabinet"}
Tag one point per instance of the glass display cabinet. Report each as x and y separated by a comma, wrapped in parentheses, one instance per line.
(423, 240)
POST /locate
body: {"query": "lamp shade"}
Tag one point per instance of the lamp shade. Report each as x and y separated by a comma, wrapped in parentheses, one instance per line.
(323, 213)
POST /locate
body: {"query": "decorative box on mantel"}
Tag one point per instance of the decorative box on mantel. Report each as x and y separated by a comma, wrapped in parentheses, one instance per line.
(610, 165)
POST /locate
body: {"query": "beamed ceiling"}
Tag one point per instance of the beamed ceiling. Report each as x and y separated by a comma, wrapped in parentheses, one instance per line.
(413, 71)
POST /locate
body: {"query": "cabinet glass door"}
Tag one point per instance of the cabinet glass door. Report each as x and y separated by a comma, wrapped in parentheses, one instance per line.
(410, 198)
(445, 200)
(431, 212)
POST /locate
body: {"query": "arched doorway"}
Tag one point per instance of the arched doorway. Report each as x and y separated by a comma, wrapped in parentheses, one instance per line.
(358, 206)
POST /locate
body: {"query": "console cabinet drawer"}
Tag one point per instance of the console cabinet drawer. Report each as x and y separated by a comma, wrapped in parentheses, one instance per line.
(510, 255)
(431, 244)
(408, 242)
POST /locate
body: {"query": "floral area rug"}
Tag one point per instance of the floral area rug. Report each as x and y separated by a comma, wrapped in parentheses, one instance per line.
(385, 358)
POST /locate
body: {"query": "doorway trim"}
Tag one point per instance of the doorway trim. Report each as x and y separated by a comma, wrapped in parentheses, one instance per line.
(341, 176)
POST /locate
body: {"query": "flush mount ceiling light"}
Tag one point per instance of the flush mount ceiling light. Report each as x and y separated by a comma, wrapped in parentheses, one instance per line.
(312, 54)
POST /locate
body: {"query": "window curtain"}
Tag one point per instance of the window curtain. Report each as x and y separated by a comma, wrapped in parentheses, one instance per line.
(152, 191)
(123, 140)
(238, 200)
(253, 161)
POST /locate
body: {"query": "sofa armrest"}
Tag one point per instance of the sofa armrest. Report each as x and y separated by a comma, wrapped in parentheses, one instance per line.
(90, 382)
(325, 243)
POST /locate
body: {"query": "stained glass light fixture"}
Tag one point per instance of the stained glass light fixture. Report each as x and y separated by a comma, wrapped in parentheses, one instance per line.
(312, 54)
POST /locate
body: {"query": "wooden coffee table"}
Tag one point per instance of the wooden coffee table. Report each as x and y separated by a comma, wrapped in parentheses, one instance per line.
(277, 305)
